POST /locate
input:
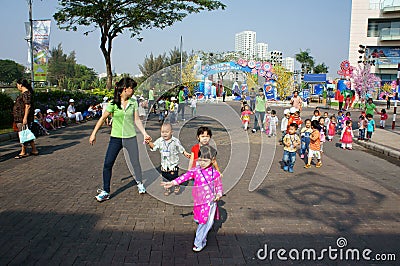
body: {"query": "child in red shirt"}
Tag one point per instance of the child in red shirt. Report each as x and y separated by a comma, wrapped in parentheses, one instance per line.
(384, 117)
(204, 135)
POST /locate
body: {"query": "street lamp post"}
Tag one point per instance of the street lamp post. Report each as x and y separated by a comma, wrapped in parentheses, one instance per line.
(31, 42)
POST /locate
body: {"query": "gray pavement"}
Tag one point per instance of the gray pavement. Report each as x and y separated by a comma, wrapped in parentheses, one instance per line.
(48, 213)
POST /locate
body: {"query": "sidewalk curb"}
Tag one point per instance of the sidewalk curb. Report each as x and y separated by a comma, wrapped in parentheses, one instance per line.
(378, 148)
(8, 136)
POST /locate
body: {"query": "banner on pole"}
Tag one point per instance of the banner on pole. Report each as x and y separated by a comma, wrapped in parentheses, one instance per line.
(41, 38)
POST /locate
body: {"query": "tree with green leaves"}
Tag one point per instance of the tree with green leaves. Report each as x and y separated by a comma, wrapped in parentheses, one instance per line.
(174, 57)
(306, 60)
(60, 66)
(10, 71)
(152, 65)
(113, 17)
(66, 73)
(320, 68)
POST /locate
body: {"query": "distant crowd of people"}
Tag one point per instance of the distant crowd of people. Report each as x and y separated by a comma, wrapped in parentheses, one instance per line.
(307, 137)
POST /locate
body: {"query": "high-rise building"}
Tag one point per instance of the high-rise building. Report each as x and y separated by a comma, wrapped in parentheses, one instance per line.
(288, 63)
(375, 36)
(262, 51)
(275, 57)
(245, 43)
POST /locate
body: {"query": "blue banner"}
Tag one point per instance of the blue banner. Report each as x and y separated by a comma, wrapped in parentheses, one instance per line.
(270, 91)
(223, 67)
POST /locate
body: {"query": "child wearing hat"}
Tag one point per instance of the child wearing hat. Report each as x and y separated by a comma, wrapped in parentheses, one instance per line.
(173, 110)
(38, 119)
(49, 120)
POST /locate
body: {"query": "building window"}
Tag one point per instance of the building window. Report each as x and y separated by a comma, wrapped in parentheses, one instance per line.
(374, 4)
(383, 27)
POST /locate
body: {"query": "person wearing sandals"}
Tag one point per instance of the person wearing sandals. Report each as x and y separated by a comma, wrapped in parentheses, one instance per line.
(24, 113)
(170, 148)
(125, 115)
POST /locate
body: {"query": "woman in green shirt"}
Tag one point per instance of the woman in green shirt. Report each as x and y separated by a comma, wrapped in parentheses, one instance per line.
(370, 107)
(124, 111)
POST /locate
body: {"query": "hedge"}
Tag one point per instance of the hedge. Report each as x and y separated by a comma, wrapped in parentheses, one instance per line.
(47, 100)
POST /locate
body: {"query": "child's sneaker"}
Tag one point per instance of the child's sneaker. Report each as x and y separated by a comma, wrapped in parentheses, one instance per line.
(302, 156)
(103, 195)
(307, 166)
(141, 188)
(318, 165)
(285, 168)
(291, 170)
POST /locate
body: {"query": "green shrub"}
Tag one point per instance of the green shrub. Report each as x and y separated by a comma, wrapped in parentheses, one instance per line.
(46, 100)
(6, 107)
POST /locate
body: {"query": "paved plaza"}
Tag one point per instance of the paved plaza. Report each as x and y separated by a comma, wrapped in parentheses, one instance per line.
(49, 215)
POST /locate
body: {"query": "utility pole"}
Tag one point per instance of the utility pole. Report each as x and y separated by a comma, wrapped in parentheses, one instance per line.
(181, 57)
(396, 95)
(31, 43)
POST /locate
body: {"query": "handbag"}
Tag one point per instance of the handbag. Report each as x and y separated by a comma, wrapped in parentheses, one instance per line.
(26, 135)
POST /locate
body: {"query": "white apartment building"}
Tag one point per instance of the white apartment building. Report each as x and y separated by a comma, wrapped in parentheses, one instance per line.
(262, 51)
(288, 63)
(245, 43)
(375, 24)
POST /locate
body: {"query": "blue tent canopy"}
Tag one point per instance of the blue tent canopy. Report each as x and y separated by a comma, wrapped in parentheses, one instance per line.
(315, 78)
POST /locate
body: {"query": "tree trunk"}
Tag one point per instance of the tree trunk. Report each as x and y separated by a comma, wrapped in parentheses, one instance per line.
(107, 56)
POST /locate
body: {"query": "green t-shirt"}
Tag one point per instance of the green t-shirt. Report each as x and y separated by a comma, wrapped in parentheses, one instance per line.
(181, 97)
(151, 95)
(369, 108)
(260, 104)
(123, 121)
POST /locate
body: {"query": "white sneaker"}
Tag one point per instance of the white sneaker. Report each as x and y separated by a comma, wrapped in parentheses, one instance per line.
(141, 188)
(262, 130)
(102, 195)
(253, 130)
(196, 249)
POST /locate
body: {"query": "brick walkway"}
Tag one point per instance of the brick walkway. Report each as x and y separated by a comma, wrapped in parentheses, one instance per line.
(48, 213)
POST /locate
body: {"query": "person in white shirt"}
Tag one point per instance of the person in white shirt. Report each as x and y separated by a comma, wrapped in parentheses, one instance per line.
(193, 105)
(284, 123)
(71, 112)
(273, 123)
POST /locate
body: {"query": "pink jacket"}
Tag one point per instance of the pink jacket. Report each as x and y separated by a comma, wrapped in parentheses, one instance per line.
(207, 185)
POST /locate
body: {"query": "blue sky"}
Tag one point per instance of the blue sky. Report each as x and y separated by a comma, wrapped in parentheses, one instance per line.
(323, 26)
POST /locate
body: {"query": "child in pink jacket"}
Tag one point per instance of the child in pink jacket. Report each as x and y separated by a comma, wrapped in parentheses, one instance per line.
(207, 190)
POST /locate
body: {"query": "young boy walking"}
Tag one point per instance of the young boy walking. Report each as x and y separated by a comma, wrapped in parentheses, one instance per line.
(170, 148)
(291, 141)
(315, 145)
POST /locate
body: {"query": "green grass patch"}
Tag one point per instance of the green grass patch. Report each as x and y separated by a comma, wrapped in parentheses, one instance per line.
(6, 130)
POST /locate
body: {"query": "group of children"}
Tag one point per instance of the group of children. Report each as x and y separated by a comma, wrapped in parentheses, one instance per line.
(203, 169)
(52, 120)
(319, 129)
(268, 125)
(168, 108)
